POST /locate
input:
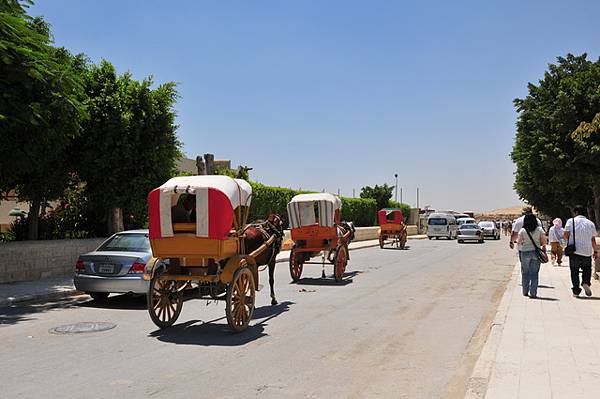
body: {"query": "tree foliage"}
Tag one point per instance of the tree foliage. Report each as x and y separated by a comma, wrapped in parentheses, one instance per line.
(552, 151)
(40, 107)
(381, 194)
(128, 145)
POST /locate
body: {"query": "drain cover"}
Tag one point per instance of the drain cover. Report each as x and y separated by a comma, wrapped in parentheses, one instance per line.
(84, 327)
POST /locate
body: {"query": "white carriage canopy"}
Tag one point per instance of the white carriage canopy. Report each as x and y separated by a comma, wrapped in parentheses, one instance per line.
(217, 198)
(301, 209)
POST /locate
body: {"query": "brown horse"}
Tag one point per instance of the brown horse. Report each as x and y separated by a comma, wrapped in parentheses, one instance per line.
(259, 232)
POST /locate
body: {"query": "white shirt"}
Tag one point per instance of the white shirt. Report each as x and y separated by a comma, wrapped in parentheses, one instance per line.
(556, 234)
(518, 224)
(585, 229)
(524, 242)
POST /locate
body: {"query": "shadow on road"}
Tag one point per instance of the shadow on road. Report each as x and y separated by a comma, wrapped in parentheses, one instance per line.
(209, 333)
(24, 311)
(542, 298)
(118, 302)
(406, 247)
(347, 279)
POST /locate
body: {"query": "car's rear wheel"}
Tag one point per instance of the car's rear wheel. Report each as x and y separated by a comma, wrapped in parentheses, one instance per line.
(99, 296)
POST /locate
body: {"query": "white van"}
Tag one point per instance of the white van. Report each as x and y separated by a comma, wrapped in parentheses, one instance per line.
(441, 225)
(467, 220)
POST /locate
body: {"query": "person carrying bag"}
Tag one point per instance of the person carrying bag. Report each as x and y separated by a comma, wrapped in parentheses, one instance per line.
(530, 238)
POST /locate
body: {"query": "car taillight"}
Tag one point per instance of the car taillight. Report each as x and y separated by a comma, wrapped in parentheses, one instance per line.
(137, 268)
(79, 267)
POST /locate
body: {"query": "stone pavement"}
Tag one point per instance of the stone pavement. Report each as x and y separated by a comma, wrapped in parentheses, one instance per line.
(54, 288)
(542, 348)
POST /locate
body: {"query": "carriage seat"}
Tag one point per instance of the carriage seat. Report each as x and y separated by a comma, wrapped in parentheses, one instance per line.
(184, 228)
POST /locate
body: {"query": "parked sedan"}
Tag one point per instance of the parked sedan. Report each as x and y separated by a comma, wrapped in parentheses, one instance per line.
(469, 231)
(490, 230)
(115, 266)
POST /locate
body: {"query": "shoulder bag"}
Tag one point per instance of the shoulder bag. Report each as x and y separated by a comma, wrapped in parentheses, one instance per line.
(570, 248)
(542, 255)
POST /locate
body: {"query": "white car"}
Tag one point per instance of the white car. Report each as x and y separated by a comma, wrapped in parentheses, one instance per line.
(490, 230)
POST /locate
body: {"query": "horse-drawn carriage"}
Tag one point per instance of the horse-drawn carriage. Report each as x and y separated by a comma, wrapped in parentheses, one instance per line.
(199, 239)
(315, 228)
(391, 226)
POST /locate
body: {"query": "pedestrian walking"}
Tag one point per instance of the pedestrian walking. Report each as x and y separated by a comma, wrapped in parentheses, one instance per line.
(518, 224)
(556, 240)
(580, 234)
(530, 237)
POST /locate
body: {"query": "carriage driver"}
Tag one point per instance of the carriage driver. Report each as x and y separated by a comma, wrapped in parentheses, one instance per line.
(184, 211)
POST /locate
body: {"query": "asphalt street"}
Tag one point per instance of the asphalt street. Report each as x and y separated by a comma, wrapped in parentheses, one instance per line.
(404, 324)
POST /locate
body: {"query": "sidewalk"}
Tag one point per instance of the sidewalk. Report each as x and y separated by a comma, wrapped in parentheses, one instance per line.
(542, 348)
(54, 288)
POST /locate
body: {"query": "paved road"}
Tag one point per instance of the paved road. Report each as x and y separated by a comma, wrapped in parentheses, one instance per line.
(406, 324)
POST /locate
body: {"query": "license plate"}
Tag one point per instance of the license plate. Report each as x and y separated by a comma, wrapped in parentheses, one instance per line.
(105, 268)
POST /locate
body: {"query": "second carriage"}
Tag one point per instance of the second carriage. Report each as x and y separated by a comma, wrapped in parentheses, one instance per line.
(392, 227)
(316, 229)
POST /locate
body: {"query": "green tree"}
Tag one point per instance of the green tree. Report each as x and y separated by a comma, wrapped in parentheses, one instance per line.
(40, 108)
(129, 144)
(552, 173)
(587, 144)
(381, 194)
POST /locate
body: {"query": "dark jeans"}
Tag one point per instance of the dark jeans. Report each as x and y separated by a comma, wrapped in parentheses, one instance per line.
(583, 263)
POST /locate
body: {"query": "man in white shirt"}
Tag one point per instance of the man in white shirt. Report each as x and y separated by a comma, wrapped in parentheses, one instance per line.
(518, 225)
(584, 238)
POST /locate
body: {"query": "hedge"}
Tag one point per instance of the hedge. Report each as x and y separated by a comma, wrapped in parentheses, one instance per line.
(266, 200)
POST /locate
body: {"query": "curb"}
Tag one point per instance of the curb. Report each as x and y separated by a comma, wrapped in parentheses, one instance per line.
(477, 384)
(11, 300)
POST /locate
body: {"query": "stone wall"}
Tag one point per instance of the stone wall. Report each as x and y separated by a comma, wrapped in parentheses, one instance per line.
(33, 260)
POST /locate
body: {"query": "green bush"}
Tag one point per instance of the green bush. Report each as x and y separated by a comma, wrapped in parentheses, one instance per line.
(361, 211)
(266, 200)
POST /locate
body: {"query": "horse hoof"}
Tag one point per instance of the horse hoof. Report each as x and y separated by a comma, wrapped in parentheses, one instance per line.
(273, 301)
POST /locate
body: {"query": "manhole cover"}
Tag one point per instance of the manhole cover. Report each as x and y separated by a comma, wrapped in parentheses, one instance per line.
(84, 327)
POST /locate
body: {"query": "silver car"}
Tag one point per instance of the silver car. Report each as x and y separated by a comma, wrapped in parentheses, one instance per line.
(116, 266)
(469, 231)
(490, 230)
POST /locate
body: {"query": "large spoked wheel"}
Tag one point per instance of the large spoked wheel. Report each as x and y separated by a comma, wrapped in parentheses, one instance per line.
(381, 241)
(165, 301)
(240, 300)
(339, 264)
(295, 266)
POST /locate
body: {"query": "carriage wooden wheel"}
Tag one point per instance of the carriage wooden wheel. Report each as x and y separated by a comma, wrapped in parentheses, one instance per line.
(165, 300)
(240, 300)
(382, 239)
(339, 263)
(295, 266)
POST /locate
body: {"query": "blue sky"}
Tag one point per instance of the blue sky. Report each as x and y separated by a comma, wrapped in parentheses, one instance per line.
(342, 94)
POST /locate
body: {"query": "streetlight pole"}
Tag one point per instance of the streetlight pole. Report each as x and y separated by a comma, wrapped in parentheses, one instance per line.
(400, 194)
(396, 176)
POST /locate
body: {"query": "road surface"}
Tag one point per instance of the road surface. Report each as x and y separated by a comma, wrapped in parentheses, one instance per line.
(405, 324)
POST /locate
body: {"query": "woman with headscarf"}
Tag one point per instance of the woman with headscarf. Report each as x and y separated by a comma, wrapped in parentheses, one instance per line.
(555, 238)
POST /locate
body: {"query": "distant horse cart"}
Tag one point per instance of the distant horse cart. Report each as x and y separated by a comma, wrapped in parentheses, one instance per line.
(315, 228)
(199, 237)
(391, 227)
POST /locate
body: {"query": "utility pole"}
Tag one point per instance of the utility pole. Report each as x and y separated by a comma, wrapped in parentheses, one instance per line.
(353, 193)
(396, 187)
(400, 194)
(418, 213)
